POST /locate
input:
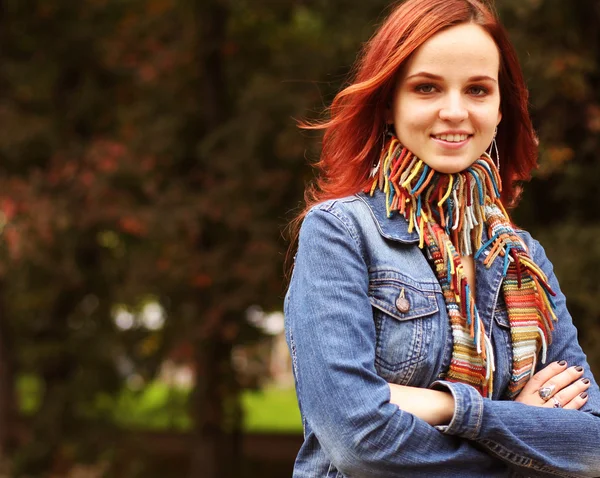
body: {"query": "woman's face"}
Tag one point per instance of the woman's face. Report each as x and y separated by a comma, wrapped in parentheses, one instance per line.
(446, 104)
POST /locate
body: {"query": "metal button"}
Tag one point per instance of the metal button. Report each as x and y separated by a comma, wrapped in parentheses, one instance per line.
(402, 303)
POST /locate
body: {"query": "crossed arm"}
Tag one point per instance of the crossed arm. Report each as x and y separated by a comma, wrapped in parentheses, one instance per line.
(436, 407)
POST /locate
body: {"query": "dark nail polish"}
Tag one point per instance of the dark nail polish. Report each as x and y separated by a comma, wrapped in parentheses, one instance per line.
(579, 368)
(562, 363)
(583, 395)
(585, 380)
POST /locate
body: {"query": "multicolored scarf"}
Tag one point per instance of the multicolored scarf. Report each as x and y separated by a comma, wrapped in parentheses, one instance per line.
(449, 212)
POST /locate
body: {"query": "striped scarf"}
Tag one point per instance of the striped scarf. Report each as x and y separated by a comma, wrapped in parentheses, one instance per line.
(449, 212)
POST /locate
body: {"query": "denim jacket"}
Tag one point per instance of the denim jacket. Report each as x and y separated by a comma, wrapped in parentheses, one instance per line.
(348, 339)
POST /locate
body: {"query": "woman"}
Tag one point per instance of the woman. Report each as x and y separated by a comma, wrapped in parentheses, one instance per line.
(428, 335)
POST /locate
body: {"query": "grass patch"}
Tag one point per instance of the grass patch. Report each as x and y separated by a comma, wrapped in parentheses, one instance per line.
(160, 407)
(271, 410)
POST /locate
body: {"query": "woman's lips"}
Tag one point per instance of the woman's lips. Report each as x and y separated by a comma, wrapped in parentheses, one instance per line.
(451, 144)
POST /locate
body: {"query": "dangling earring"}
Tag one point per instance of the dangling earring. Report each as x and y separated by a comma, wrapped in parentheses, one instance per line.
(494, 146)
(375, 167)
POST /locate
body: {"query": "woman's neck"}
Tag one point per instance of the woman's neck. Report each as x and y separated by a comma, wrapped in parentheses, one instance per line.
(457, 202)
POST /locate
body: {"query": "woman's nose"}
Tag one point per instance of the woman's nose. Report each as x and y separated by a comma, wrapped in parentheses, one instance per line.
(453, 108)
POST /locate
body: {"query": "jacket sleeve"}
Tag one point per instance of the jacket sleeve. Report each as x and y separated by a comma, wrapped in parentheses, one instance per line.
(545, 441)
(331, 334)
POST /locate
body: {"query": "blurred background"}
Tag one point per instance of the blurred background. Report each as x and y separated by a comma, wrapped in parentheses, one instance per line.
(149, 163)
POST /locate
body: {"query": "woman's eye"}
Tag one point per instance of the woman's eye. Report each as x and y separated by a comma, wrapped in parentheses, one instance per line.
(425, 89)
(477, 91)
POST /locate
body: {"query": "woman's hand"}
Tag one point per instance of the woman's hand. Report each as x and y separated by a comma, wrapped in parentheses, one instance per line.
(433, 406)
(556, 386)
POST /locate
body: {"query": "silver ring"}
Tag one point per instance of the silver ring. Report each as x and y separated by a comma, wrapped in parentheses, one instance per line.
(546, 392)
(557, 404)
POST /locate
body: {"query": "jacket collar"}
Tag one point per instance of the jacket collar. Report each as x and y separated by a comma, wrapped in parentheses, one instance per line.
(394, 227)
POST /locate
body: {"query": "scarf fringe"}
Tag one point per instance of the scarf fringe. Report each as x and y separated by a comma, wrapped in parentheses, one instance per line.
(449, 213)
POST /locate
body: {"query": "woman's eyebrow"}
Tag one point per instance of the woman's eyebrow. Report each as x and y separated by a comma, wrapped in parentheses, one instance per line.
(431, 76)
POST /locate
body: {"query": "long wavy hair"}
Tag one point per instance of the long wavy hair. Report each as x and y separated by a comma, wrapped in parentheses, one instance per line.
(356, 124)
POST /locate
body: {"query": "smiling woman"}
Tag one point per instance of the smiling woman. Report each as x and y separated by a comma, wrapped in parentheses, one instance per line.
(428, 334)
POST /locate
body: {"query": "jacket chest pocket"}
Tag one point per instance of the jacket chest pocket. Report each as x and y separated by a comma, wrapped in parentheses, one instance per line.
(405, 326)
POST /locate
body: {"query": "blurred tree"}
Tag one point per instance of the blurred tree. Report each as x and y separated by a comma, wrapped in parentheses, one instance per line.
(140, 159)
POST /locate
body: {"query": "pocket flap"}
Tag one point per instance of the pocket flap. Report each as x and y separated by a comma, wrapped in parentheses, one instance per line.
(384, 295)
(501, 316)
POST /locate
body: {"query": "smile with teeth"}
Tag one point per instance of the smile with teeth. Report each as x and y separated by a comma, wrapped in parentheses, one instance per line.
(452, 138)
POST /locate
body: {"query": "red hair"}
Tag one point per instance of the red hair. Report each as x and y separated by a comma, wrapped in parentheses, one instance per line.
(352, 139)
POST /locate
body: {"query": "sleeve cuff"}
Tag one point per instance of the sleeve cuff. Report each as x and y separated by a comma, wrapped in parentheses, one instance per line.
(468, 409)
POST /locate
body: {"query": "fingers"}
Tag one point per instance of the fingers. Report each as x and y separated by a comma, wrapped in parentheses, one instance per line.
(574, 396)
(577, 402)
(561, 381)
(543, 376)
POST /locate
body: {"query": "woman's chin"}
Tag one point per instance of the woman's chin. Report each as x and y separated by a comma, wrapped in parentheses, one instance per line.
(449, 165)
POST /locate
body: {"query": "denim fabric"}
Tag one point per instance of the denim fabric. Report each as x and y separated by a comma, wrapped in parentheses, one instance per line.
(348, 339)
